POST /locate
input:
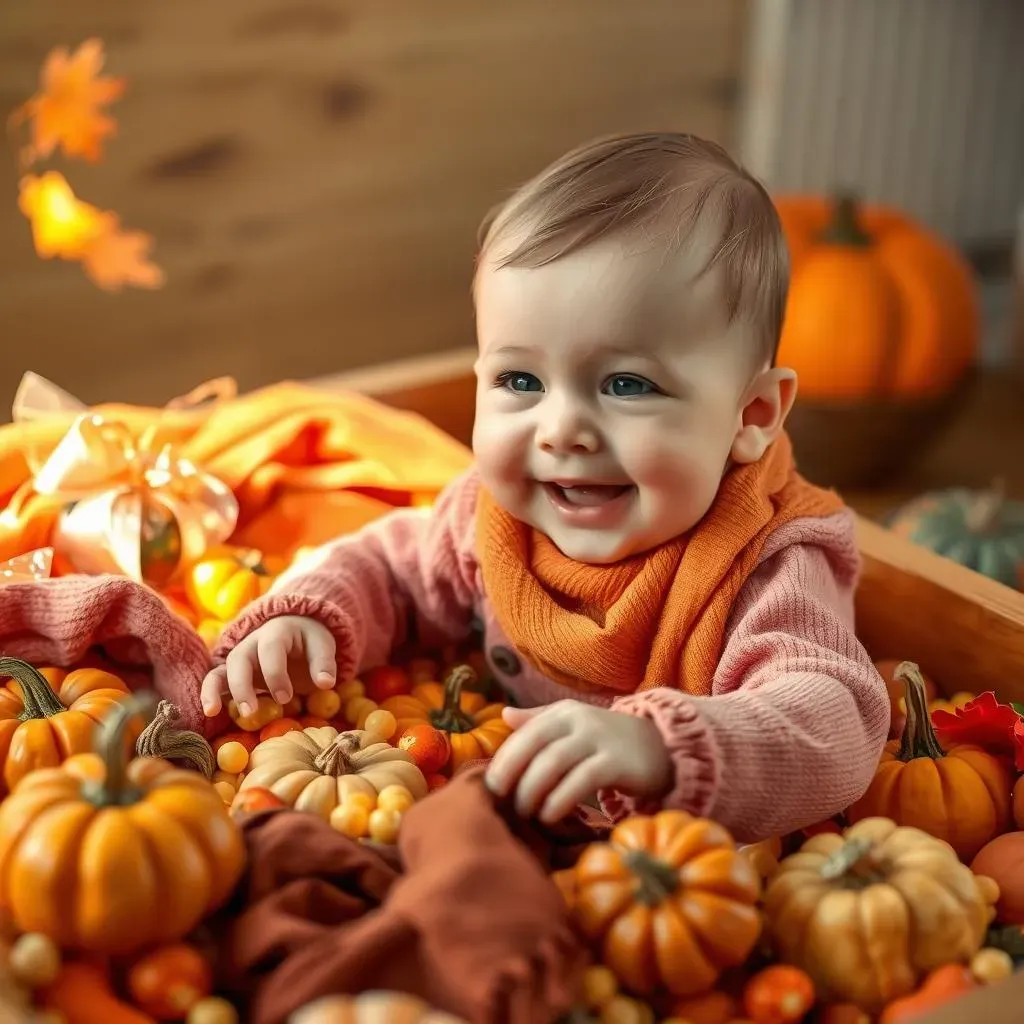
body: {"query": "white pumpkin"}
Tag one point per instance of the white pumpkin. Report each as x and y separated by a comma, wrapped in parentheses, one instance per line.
(316, 769)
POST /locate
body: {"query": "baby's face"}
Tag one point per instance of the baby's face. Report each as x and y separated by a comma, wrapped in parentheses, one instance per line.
(610, 391)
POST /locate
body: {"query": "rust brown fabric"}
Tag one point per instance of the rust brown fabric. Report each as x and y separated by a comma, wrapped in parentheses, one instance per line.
(470, 922)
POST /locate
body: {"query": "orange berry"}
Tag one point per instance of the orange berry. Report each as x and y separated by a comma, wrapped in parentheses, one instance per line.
(247, 739)
(293, 708)
(361, 799)
(350, 819)
(429, 748)
(436, 781)
(358, 709)
(353, 688)
(384, 825)
(323, 703)
(232, 758)
(381, 723)
(395, 798)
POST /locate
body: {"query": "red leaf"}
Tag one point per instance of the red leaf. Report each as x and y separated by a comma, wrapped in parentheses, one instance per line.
(985, 723)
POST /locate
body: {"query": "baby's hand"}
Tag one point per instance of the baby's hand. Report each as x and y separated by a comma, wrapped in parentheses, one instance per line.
(261, 660)
(561, 755)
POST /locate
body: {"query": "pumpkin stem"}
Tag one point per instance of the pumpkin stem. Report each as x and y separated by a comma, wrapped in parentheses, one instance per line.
(657, 881)
(853, 864)
(37, 697)
(161, 739)
(983, 512)
(919, 739)
(110, 745)
(845, 228)
(450, 717)
(336, 758)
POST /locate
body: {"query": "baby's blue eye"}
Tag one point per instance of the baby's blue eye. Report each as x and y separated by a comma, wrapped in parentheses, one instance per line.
(520, 382)
(628, 386)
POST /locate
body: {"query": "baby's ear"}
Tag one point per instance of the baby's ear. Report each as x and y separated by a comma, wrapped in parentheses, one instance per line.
(766, 405)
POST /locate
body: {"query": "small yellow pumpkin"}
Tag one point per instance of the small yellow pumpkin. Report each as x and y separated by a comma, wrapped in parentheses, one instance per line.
(318, 768)
(867, 914)
(226, 579)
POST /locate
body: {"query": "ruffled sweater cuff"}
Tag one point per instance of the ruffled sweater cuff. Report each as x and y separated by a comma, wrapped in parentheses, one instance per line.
(273, 606)
(690, 746)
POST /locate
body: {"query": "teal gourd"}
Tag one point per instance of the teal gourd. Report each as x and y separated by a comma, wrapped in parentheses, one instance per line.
(982, 530)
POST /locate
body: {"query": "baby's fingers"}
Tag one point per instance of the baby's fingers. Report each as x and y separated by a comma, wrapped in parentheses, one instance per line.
(273, 656)
(240, 666)
(578, 785)
(320, 651)
(513, 756)
(545, 772)
(213, 686)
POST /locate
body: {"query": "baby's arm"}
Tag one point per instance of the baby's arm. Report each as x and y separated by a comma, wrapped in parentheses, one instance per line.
(412, 568)
(799, 715)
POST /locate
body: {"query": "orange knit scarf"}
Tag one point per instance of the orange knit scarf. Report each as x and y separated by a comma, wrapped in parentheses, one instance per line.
(658, 618)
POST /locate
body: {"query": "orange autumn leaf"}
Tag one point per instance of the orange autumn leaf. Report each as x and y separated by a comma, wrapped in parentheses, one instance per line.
(62, 225)
(67, 110)
(117, 258)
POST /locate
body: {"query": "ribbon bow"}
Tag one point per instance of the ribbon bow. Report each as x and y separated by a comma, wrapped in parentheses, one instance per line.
(33, 565)
(130, 504)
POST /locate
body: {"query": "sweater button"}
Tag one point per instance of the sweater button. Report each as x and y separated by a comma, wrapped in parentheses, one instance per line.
(506, 661)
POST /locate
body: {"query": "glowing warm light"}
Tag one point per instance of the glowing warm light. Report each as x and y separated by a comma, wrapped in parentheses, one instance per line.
(62, 225)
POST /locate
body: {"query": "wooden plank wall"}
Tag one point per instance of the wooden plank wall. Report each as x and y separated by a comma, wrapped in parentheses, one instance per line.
(314, 170)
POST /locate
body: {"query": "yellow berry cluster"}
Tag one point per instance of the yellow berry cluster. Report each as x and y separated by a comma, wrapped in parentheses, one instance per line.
(364, 816)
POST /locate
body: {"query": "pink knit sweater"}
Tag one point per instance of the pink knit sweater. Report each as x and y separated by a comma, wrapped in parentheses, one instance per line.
(798, 715)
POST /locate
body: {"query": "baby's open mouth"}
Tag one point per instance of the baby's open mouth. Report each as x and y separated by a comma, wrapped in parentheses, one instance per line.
(586, 495)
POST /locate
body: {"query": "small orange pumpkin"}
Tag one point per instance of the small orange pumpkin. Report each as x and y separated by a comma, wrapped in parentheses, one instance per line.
(475, 728)
(668, 902)
(111, 866)
(46, 715)
(961, 795)
(878, 306)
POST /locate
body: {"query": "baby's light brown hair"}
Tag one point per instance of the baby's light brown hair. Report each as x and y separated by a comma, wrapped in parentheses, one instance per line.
(665, 185)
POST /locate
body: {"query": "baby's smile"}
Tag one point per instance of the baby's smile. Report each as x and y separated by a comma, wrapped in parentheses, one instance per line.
(589, 503)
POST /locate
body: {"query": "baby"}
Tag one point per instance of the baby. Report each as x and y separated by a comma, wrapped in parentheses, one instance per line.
(667, 601)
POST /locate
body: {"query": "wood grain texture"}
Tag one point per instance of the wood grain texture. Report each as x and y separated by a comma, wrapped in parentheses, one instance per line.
(314, 170)
(965, 631)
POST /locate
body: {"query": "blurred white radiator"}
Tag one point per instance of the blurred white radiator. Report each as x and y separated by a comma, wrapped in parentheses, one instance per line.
(919, 103)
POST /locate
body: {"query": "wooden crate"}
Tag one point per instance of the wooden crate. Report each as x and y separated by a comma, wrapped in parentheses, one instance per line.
(965, 631)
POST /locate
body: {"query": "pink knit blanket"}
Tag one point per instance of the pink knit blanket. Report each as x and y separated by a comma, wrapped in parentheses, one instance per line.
(59, 621)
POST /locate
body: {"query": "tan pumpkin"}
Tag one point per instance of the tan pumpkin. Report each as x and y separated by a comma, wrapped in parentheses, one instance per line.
(869, 913)
(371, 1008)
(316, 769)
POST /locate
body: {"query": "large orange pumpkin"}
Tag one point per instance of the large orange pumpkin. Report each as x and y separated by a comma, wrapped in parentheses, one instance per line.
(668, 902)
(878, 306)
(116, 864)
(475, 728)
(960, 795)
(48, 714)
